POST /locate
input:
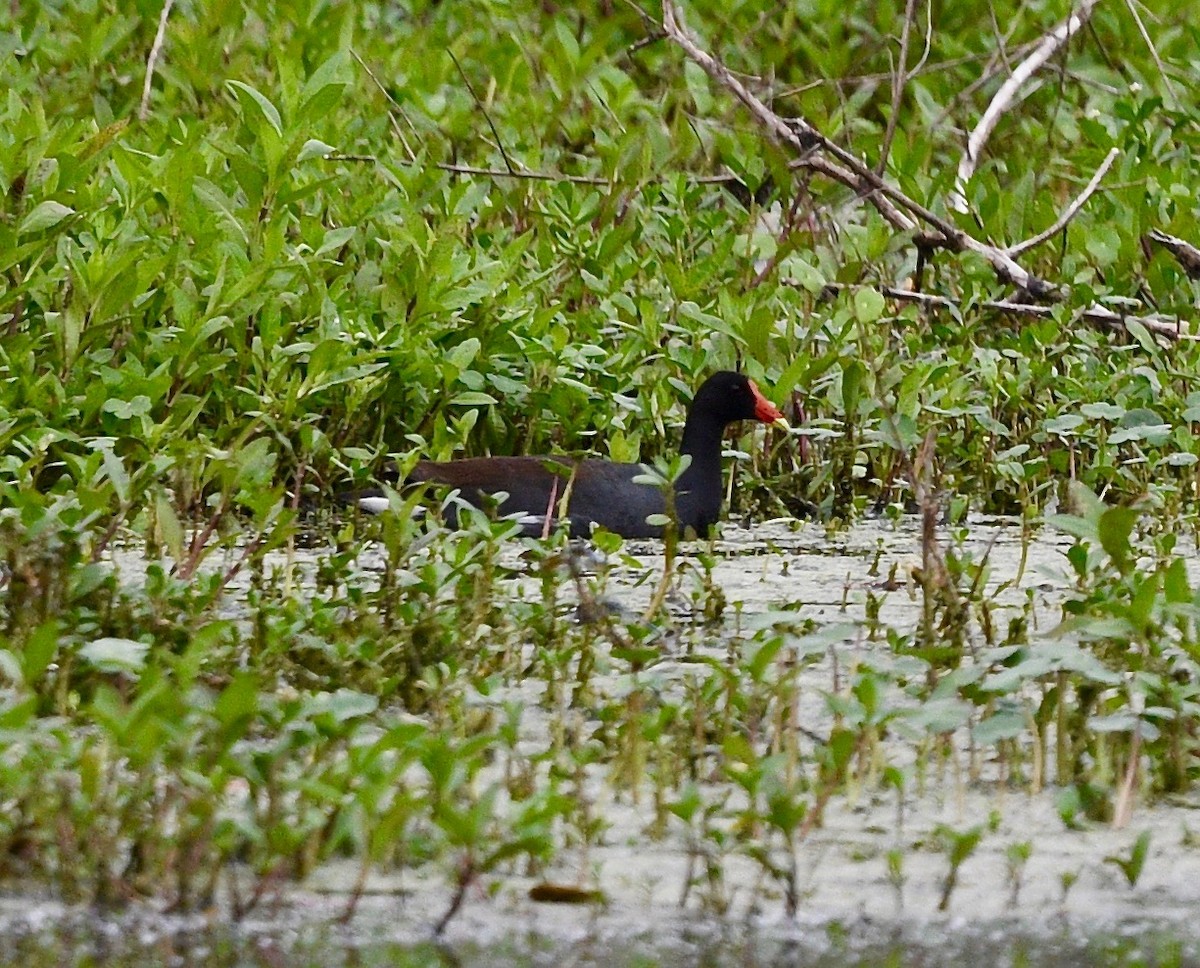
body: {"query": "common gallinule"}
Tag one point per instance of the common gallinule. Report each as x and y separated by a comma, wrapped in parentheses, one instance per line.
(604, 492)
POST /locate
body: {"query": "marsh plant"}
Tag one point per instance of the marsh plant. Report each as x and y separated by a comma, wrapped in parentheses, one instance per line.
(248, 262)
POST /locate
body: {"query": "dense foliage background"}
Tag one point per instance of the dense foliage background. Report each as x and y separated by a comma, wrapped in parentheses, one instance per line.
(329, 232)
(273, 256)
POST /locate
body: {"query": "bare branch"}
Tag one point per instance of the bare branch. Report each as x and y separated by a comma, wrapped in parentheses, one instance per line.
(1186, 254)
(899, 79)
(895, 217)
(392, 101)
(1004, 98)
(487, 117)
(1071, 210)
(152, 60)
(1164, 326)
(1137, 19)
(805, 139)
(547, 176)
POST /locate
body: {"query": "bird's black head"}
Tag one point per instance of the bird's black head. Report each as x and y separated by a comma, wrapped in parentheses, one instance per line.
(731, 396)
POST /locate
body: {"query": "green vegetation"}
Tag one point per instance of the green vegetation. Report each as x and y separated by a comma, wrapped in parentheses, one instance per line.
(295, 267)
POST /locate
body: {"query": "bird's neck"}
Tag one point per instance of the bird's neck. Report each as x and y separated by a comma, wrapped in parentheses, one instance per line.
(702, 442)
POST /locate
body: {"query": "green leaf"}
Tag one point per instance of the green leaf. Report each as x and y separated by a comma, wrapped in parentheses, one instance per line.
(343, 705)
(45, 215)
(269, 112)
(472, 398)
(1102, 411)
(139, 406)
(1102, 242)
(335, 239)
(868, 304)
(1142, 335)
(40, 650)
(1070, 524)
(313, 148)
(1063, 424)
(1114, 528)
(463, 355)
(697, 85)
(238, 700)
(117, 474)
(1006, 724)
(169, 528)
(853, 377)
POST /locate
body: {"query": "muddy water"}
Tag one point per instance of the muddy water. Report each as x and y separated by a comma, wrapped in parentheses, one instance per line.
(1069, 905)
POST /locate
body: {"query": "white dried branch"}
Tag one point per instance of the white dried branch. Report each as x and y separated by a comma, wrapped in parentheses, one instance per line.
(1186, 254)
(1167, 327)
(894, 216)
(1007, 94)
(806, 140)
(899, 79)
(1162, 70)
(1071, 210)
(152, 60)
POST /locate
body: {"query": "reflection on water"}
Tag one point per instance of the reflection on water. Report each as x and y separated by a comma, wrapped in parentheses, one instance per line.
(94, 943)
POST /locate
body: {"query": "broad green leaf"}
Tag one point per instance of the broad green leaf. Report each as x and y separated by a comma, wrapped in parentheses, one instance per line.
(472, 399)
(868, 304)
(169, 528)
(313, 148)
(269, 112)
(1114, 528)
(45, 215)
(335, 239)
(463, 355)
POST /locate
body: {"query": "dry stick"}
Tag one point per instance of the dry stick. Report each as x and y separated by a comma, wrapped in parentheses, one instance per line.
(549, 522)
(1137, 19)
(1158, 325)
(798, 134)
(892, 215)
(899, 79)
(1004, 98)
(996, 65)
(487, 117)
(152, 60)
(1186, 254)
(549, 176)
(1071, 210)
(861, 79)
(394, 103)
(1001, 38)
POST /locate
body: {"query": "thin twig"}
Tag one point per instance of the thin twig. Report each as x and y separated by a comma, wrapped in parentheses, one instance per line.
(651, 38)
(1137, 19)
(798, 134)
(877, 77)
(548, 176)
(895, 217)
(1186, 254)
(993, 68)
(487, 117)
(1005, 97)
(1071, 210)
(152, 60)
(394, 103)
(1165, 326)
(1123, 807)
(899, 79)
